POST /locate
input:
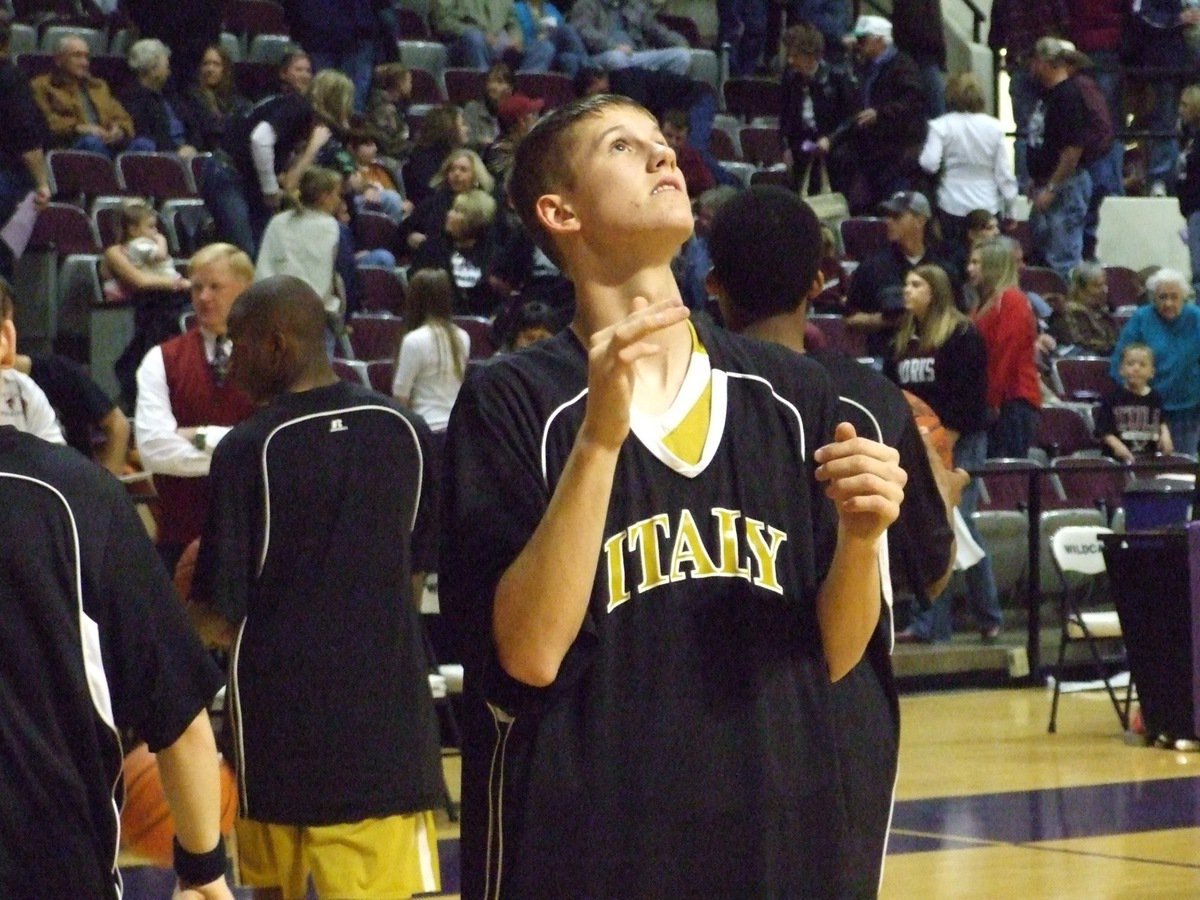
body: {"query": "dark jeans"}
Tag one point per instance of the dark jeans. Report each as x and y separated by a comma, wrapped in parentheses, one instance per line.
(155, 319)
(1011, 435)
(240, 215)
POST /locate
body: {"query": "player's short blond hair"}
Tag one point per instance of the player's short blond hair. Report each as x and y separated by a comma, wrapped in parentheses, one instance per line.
(239, 263)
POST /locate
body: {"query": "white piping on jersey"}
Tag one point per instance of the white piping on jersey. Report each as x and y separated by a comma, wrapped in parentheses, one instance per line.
(93, 661)
(644, 426)
(885, 560)
(546, 431)
(502, 722)
(888, 831)
(262, 560)
(424, 856)
(783, 400)
(235, 701)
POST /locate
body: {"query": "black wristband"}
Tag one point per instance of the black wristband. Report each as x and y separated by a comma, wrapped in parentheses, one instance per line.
(195, 869)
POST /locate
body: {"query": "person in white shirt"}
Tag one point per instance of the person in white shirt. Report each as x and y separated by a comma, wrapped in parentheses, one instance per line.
(22, 403)
(185, 402)
(967, 146)
(433, 352)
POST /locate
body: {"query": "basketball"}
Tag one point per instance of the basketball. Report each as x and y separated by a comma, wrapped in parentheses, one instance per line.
(147, 828)
(931, 429)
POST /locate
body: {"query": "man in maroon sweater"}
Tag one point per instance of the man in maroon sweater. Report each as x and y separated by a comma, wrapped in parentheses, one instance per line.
(185, 402)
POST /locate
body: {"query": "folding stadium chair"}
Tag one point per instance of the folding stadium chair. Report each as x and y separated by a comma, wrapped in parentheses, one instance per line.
(1096, 481)
(1082, 378)
(742, 171)
(65, 228)
(723, 144)
(425, 88)
(23, 39)
(1005, 484)
(761, 146)
(862, 236)
(77, 176)
(247, 18)
(383, 292)
(1049, 524)
(95, 39)
(1004, 534)
(269, 48)
(705, 67)
(751, 98)
(428, 55)
(850, 342)
(554, 88)
(776, 175)
(380, 375)
(186, 224)
(464, 84)
(373, 230)
(351, 370)
(162, 176)
(1042, 281)
(479, 330)
(1078, 556)
(1124, 286)
(1063, 430)
(375, 335)
(232, 45)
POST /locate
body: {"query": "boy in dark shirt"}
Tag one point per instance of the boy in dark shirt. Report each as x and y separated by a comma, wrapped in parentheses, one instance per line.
(1130, 420)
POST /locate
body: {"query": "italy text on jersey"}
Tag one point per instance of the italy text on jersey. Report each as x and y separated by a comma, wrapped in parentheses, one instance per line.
(656, 551)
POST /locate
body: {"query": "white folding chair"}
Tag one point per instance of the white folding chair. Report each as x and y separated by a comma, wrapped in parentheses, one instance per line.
(1079, 559)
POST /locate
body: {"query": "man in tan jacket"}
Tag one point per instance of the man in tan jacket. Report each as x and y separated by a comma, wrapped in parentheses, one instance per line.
(80, 109)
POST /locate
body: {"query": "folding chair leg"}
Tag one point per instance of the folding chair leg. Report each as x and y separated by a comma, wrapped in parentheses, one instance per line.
(1122, 715)
(1058, 670)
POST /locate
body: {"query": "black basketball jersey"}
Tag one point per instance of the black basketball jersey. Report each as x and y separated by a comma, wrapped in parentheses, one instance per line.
(93, 641)
(323, 506)
(686, 747)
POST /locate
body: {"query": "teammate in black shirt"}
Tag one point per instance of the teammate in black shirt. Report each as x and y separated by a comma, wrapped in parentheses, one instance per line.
(766, 249)
(322, 512)
(654, 597)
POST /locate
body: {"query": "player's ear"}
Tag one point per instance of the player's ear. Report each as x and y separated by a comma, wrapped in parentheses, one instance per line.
(818, 285)
(8, 344)
(556, 214)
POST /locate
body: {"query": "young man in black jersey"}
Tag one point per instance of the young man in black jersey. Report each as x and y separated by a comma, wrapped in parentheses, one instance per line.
(653, 594)
(322, 511)
(766, 251)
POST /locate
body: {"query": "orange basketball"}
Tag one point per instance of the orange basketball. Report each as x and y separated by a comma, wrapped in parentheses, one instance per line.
(931, 429)
(185, 569)
(147, 828)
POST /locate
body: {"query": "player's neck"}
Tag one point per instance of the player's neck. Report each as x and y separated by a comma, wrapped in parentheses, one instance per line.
(603, 302)
(787, 330)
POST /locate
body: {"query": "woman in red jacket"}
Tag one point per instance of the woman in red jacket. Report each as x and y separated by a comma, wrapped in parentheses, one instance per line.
(1006, 322)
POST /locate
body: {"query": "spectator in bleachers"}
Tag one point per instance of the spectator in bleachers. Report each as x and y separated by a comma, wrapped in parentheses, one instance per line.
(443, 130)
(1155, 38)
(524, 274)
(517, 115)
(481, 113)
(188, 27)
(833, 18)
(263, 155)
(1171, 328)
(461, 171)
(158, 114)
(464, 248)
(623, 33)
(918, 30)
(212, 98)
(390, 94)
(1096, 28)
(483, 32)
(1061, 186)
(939, 356)
(295, 71)
(692, 265)
(541, 22)
(303, 241)
(433, 353)
(742, 26)
(339, 34)
(139, 269)
(875, 302)
(534, 322)
(968, 148)
(80, 109)
(1188, 187)
(1005, 320)
(696, 174)
(332, 97)
(376, 185)
(659, 92)
(817, 100)
(186, 403)
(1084, 325)
(1016, 27)
(889, 131)
(1130, 421)
(22, 143)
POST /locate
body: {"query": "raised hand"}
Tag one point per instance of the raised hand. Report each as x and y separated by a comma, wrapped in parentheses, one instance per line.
(612, 357)
(864, 480)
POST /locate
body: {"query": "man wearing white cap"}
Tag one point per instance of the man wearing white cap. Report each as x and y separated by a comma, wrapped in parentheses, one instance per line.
(889, 132)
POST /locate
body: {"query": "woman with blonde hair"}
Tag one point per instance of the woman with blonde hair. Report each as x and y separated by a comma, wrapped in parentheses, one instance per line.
(939, 356)
(967, 146)
(464, 248)
(433, 352)
(462, 170)
(1006, 321)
